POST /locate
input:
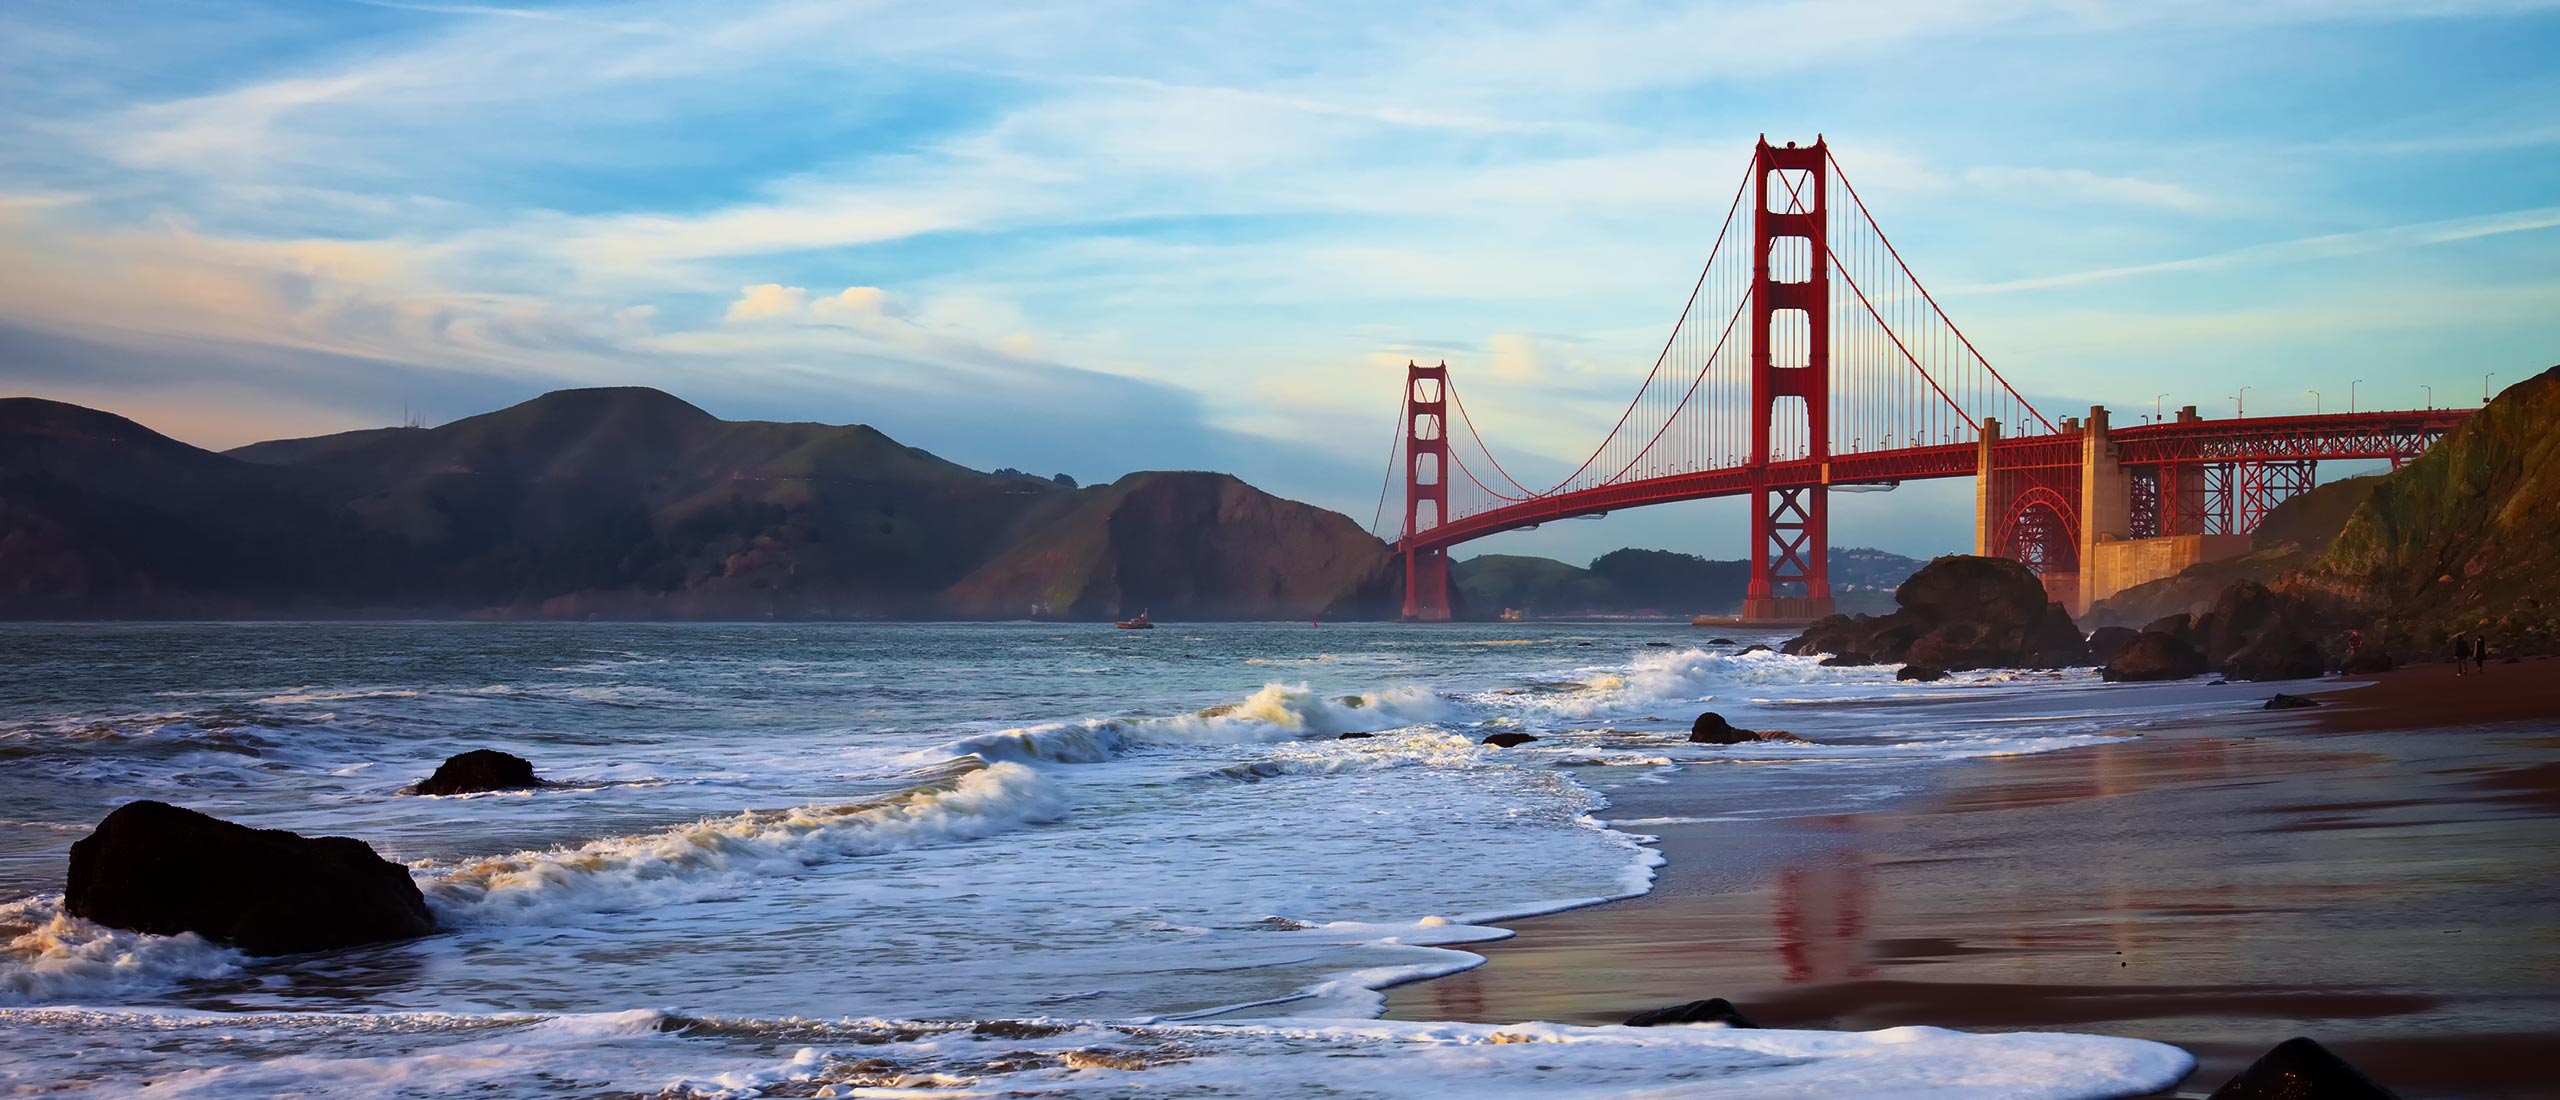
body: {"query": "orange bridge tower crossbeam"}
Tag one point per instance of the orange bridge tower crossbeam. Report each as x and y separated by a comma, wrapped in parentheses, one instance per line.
(1790, 524)
(1426, 482)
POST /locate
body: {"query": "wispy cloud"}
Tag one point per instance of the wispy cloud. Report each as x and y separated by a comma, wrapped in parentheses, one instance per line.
(2326, 246)
(1237, 219)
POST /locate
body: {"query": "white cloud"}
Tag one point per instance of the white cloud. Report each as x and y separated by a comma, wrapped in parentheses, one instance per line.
(768, 302)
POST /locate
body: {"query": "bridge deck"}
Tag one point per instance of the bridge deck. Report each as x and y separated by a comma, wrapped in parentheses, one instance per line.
(2334, 436)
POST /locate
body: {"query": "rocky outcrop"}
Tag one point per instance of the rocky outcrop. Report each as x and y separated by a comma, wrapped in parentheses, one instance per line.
(2154, 655)
(1957, 613)
(2107, 641)
(2300, 1069)
(2460, 538)
(1713, 1010)
(153, 867)
(1507, 740)
(1927, 674)
(2282, 701)
(479, 770)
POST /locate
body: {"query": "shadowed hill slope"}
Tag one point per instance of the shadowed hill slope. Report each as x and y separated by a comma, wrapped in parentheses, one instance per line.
(619, 503)
(1184, 545)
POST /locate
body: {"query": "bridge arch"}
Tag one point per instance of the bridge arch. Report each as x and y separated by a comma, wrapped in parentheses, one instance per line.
(2041, 530)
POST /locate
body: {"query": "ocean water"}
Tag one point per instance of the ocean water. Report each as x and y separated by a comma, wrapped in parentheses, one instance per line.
(949, 860)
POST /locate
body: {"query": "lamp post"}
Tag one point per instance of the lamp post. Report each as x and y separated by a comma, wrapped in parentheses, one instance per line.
(2351, 394)
(2484, 387)
(2156, 416)
(2431, 394)
(2240, 403)
(2315, 401)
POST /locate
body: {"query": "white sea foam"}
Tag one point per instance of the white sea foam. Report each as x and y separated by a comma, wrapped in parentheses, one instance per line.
(48, 956)
(1278, 712)
(521, 1057)
(707, 857)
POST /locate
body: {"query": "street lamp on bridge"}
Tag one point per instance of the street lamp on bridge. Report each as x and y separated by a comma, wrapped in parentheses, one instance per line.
(2240, 403)
(2484, 387)
(2315, 401)
(2431, 394)
(2156, 416)
(2351, 394)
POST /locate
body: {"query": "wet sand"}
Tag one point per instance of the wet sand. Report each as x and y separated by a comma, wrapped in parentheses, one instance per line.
(2381, 874)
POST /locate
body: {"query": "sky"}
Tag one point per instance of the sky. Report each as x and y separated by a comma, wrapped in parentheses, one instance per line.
(1101, 237)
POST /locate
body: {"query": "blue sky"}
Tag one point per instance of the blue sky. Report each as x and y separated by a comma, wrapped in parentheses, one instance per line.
(1103, 237)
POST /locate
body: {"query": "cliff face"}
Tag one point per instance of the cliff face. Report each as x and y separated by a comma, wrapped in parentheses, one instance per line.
(1184, 546)
(2292, 535)
(2466, 534)
(618, 503)
(2460, 539)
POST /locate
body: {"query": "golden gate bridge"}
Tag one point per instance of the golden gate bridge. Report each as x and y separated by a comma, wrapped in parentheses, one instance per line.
(1809, 357)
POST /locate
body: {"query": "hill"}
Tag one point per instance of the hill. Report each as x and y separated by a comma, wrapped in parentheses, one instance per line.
(1185, 546)
(616, 503)
(1631, 580)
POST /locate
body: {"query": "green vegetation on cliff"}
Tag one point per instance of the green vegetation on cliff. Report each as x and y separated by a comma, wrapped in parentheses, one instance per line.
(2466, 534)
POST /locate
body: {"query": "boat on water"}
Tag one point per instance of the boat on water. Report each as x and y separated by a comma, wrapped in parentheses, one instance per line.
(1139, 623)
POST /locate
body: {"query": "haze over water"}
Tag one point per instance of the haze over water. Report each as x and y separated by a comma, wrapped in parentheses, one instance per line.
(1144, 837)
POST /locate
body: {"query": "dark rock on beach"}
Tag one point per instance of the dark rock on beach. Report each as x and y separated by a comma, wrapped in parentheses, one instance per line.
(157, 868)
(1959, 612)
(479, 770)
(1713, 1010)
(1711, 729)
(2369, 659)
(2282, 701)
(2154, 655)
(1926, 674)
(2107, 641)
(1355, 737)
(1751, 649)
(1507, 740)
(2300, 1069)
(2278, 655)
(1719, 641)
(2180, 626)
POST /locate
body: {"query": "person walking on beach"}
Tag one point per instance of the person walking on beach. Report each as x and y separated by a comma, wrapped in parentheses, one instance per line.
(2461, 653)
(2479, 653)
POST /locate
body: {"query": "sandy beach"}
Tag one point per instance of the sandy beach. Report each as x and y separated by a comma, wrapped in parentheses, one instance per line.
(2378, 874)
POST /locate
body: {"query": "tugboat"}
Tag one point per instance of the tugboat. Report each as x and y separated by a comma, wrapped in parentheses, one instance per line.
(1139, 623)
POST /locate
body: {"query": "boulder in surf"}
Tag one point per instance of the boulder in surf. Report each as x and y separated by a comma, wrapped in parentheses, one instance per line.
(1713, 1010)
(162, 869)
(1710, 728)
(479, 770)
(1507, 740)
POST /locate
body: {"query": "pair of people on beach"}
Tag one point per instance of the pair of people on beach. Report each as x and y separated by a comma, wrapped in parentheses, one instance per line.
(2470, 651)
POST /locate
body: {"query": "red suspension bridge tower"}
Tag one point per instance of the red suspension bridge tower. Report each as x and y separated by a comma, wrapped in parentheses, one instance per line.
(1426, 488)
(1790, 360)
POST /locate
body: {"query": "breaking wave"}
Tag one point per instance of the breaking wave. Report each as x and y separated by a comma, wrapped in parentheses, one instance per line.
(710, 856)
